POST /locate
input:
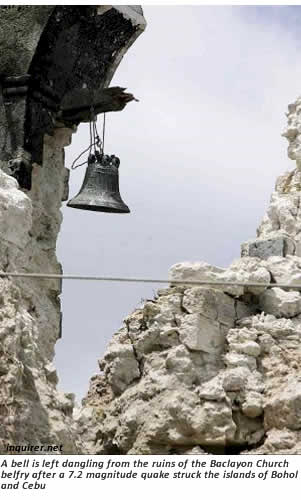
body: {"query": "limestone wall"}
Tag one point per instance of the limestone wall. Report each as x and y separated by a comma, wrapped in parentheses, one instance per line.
(32, 411)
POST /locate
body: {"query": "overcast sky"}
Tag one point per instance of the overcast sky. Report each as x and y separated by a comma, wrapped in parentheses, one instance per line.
(199, 157)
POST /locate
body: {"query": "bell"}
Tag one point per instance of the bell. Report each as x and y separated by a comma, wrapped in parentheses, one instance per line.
(100, 189)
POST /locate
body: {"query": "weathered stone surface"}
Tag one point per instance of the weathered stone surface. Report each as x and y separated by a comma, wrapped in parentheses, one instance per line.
(283, 410)
(225, 380)
(253, 405)
(247, 269)
(242, 270)
(235, 379)
(280, 441)
(282, 218)
(184, 387)
(200, 334)
(281, 303)
(15, 212)
(30, 309)
(285, 270)
(213, 304)
(196, 271)
(184, 397)
(292, 131)
(122, 366)
(263, 248)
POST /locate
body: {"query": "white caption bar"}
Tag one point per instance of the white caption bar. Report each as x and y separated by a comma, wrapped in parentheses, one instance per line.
(47, 475)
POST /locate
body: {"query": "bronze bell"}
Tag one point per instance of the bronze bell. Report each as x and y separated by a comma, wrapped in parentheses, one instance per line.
(100, 189)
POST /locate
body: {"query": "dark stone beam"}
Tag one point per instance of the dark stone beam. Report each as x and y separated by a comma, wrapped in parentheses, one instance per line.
(79, 105)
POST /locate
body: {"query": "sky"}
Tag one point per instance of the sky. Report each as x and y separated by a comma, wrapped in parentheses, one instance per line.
(200, 153)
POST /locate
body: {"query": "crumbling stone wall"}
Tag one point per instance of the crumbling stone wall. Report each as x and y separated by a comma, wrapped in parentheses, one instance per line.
(204, 369)
(32, 411)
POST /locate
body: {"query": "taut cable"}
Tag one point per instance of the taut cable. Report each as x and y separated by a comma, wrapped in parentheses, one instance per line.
(148, 280)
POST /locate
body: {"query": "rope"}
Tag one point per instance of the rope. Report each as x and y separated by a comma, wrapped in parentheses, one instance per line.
(94, 140)
(73, 166)
(146, 280)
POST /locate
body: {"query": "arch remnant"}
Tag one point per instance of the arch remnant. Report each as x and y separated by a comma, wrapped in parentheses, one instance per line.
(53, 57)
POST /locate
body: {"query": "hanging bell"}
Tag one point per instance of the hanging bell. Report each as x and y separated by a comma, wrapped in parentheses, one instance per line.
(100, 189)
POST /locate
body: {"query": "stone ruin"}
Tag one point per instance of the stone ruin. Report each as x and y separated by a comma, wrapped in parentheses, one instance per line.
(54, 60)
(204, 369)
(196, 369)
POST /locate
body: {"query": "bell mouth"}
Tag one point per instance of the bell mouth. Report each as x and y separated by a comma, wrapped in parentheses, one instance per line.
(98, 208)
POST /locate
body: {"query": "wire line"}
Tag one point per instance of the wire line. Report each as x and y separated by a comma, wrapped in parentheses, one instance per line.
(146, 280)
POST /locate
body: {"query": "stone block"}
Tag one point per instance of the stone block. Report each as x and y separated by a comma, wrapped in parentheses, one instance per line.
(194, 271)
(250, 348)
(263, 248)
(252, 407)
(283, 410)
(201, 334)
(211, 303)
(120, 366)
(280, 303)
(235, 379)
